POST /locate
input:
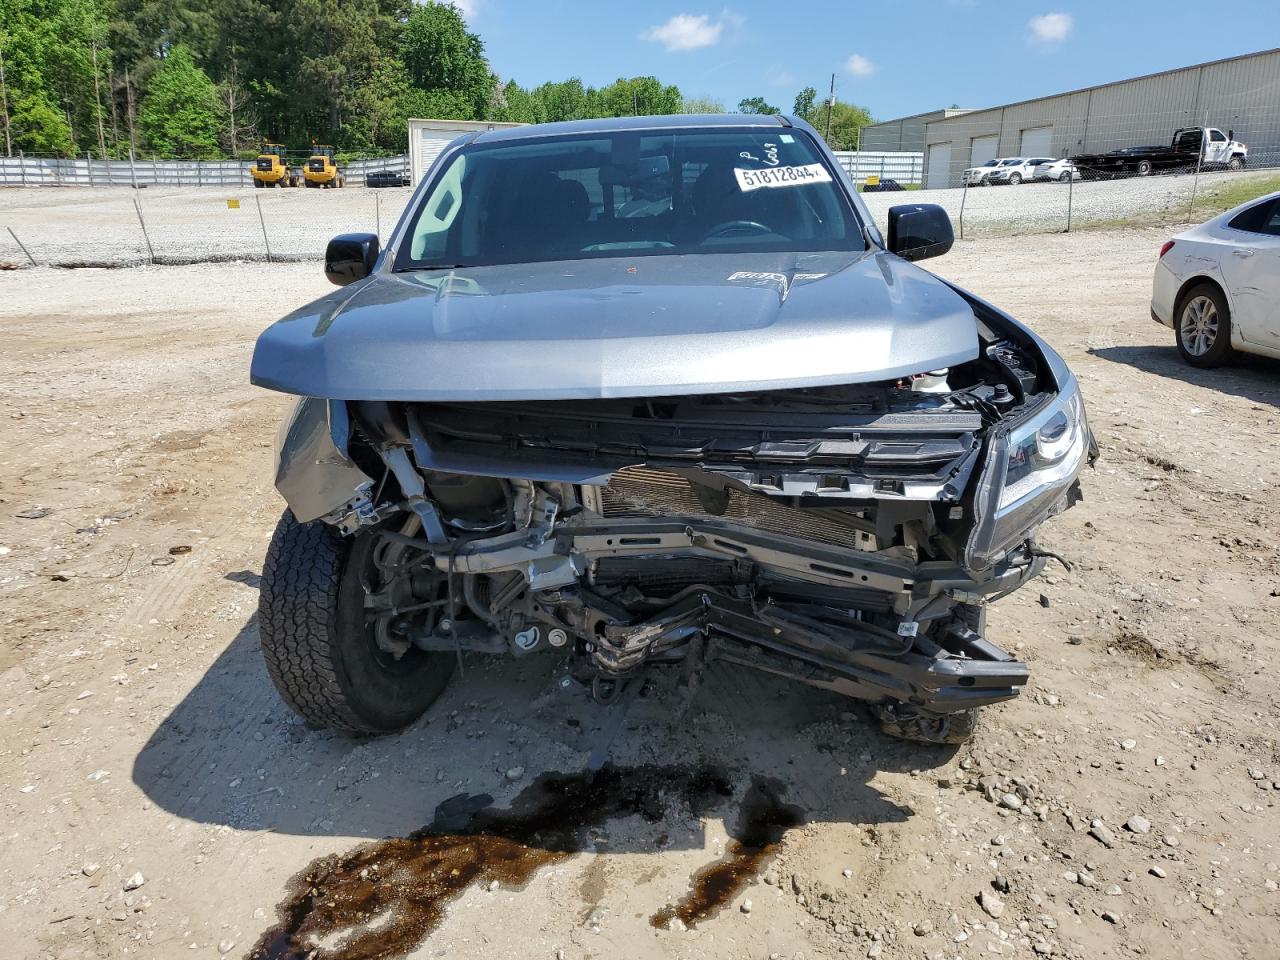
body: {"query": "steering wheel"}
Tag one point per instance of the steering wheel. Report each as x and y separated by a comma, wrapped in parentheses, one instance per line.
(734, 226)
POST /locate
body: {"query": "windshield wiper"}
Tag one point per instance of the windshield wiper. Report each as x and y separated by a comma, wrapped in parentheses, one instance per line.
(433, 266)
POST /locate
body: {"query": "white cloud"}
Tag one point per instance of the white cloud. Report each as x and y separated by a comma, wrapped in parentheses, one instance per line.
(685, 31)
(859, 65)
(1051, 27)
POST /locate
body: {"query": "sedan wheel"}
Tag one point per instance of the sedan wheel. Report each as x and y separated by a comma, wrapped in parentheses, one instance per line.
(1144, 168)
(1064, 177)
(1015, 178)
(1204, 327)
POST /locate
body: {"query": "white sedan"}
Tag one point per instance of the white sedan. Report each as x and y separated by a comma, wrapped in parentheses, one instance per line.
(1057, 170)
(1218, 285)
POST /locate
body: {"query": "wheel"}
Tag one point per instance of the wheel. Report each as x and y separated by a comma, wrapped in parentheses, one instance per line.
(1203, 328)
(1144, 168)
(903, 722)
(1064, 177)
(1015, 178)
(1235, 163)
(257, 183)
(321, 651)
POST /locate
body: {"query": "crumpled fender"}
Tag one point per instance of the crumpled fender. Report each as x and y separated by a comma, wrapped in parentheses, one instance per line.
(314, 472)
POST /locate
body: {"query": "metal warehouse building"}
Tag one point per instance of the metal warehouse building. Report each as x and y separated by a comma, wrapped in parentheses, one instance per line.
(1240, 94)
(903, 135)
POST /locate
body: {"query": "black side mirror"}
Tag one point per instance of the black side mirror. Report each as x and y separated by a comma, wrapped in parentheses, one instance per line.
(350, 257)
(918, 231)
(1231, 134)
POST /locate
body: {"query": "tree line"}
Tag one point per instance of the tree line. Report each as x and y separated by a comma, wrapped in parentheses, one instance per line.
(201, 79)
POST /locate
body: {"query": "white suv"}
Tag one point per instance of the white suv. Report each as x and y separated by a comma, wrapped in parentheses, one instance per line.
(1012, 170)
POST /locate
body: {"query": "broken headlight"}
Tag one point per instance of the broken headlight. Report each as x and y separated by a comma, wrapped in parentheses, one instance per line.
(1029, 470)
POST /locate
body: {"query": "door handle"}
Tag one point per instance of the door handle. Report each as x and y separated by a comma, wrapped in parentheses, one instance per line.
(1242, 253)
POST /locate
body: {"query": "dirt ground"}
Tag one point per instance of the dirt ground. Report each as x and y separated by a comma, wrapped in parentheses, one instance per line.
(1124, 805)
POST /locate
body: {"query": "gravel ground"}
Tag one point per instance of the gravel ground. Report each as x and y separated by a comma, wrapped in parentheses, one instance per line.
(77, 226)
(156, 796)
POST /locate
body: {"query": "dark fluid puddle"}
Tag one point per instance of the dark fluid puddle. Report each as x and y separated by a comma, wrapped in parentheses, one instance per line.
(383, 899)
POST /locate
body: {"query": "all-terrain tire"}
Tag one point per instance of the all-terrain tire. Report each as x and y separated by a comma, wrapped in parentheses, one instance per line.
(1235, 163)
(904, 723)
(321, 657)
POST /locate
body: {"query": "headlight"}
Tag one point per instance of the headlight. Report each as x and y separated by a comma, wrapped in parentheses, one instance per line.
(1046, 449)
(1027, 475)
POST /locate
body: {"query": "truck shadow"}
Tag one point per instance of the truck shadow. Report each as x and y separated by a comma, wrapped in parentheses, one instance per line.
(231, 754)
(1249, 377)
(503, 776)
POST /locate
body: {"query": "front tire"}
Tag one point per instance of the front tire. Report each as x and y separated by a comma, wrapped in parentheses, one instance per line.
(1203, 327)
(1144, 168)
(1235, 163)
(1015, 179)
(321, 656)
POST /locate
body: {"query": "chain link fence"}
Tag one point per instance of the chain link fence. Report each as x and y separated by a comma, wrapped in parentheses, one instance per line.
(997, 173)
(32, 171)
(83, 226)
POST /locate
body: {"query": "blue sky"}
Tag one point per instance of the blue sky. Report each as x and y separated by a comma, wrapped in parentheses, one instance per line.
(895, 56)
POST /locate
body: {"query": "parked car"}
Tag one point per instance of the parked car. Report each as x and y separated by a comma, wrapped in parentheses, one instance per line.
(1055, 170)
(1218, 285)
(1010, 170)
(883, 186)
(741, 427)
(1207, 146)
(386, 178)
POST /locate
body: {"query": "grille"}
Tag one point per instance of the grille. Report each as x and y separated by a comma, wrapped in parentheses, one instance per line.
(317, 165)
(264, 164)
(640, 492)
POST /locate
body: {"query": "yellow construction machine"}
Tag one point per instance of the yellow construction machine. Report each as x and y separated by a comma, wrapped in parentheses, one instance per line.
(272, 169)
(321, 170)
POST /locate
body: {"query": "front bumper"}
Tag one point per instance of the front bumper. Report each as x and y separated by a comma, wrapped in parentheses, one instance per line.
(958, 670)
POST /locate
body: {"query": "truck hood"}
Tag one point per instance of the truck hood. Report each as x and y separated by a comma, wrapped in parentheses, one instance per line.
(619, 327)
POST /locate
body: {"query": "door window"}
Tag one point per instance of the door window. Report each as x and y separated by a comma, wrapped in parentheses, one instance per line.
(1217, 136)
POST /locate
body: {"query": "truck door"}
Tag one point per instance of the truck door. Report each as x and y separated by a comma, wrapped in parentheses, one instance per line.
(1251, 266)
(1217, 148)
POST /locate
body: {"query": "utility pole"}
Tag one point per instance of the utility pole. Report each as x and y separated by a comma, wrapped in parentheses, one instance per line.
(831, 103)
(4, 99)
(97, 96)
(128, 101)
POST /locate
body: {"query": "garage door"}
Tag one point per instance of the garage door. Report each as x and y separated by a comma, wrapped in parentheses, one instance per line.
(939, 166)
(430, 143)
(1037, 142)
(983, 149)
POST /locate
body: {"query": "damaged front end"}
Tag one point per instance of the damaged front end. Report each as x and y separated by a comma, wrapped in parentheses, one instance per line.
(842, 536)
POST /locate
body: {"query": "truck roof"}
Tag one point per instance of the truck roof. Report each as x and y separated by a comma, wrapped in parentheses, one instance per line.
(679, 121)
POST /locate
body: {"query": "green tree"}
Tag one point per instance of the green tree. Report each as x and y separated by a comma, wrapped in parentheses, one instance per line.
(181, 115)
(441, 54)
(805, 101)
(702, 105)
(756, 105)
(847, 121)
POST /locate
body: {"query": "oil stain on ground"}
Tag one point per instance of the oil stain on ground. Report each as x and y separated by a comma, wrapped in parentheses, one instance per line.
(383, 899)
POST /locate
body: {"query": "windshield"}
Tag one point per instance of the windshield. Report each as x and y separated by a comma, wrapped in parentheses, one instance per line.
(1010, 163)
(992, 163)
(631, 194)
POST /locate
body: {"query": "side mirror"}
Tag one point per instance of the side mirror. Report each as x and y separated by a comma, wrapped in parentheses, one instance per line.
(1231, 134)
(918, 231)
(350, 257)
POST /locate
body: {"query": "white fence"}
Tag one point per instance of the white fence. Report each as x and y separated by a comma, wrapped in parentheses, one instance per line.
(24, 171)
(903, 167)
